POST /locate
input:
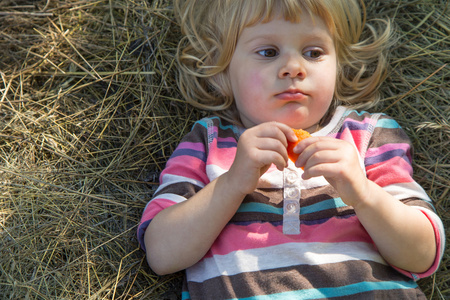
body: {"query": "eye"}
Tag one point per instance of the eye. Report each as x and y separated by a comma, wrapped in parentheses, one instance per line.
(268, 52)
(315, 53)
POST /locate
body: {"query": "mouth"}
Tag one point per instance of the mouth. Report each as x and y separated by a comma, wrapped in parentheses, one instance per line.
(291, 95)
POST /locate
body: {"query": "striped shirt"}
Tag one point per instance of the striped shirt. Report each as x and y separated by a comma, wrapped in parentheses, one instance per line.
(332, 256)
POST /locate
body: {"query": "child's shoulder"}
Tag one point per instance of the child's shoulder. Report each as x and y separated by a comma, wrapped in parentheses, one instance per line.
(214, 121)
(378, 119)
(377, 127)
(215, 126)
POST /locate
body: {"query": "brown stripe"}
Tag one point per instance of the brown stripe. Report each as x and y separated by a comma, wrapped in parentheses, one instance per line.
(184, 189)
(302, 277)
(318, 194)
(387, 135)
(274, 197)
(418, 202)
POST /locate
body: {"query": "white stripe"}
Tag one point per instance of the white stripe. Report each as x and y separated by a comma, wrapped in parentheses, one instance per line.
(272, 178)
(407, 190)
(169, 179)
(280, 256)
(214, 171)
(172, 197)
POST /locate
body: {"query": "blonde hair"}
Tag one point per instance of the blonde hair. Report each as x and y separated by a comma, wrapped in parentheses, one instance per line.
(212, 29)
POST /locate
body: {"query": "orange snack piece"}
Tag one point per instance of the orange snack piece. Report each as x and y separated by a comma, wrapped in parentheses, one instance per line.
(301, 135)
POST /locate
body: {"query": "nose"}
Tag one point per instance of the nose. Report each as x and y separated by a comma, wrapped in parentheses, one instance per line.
(292, 67)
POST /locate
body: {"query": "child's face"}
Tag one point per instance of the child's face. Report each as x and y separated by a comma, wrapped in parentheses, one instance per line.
(285, 72)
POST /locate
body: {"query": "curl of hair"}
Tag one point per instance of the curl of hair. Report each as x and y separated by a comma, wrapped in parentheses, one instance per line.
(212, 28)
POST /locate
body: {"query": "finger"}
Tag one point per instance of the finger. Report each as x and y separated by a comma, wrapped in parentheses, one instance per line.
(321, 158)
(275, 130)
(288, 132)
(271, 144)
(318, 148)
(265, 158)
(280, 161)
(302, 145)
(301, 148)
(326, 170)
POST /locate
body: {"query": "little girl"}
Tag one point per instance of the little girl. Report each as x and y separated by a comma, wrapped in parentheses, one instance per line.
(346, 219)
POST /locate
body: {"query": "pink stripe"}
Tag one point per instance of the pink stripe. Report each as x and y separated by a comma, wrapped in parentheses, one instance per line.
(155, 207)
(227, 140)
(394, 170)
(186, 166)
(365, 121)
(260, 235)
(221, 157)
(354, 137)
(193, 146)
(386, 148)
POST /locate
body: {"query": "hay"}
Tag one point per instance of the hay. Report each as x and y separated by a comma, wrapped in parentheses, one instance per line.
(90, 112)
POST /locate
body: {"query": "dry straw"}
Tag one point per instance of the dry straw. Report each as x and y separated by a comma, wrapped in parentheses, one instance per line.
(90, 112)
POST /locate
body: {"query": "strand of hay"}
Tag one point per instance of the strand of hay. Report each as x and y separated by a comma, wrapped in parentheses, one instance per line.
(90, 112)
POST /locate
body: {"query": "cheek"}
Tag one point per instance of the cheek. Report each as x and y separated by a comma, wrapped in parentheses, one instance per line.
(329, 81)
(251, 84)
(248, 91)
(253, 78)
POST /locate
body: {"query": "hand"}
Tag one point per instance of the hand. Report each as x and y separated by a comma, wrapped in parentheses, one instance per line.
(258, 148)
(336, 160)
(409, 244)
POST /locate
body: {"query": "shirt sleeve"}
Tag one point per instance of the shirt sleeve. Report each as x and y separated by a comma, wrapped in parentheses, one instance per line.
(388, 163)
(183, 176)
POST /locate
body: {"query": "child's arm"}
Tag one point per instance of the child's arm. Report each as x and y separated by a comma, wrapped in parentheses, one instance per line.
(403, 235)
(180, 235)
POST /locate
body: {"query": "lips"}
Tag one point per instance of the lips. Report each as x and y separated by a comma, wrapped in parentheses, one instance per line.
(291, 95)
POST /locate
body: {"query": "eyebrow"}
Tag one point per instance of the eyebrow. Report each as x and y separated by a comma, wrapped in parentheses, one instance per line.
(316, 35)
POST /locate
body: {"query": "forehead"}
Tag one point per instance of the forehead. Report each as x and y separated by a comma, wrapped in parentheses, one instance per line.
(290, 10)
(279, 29)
